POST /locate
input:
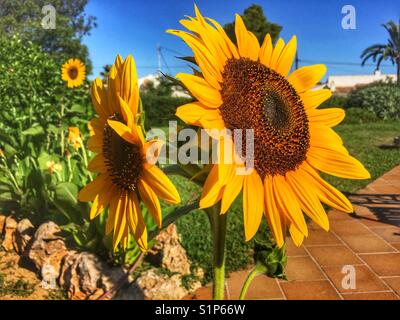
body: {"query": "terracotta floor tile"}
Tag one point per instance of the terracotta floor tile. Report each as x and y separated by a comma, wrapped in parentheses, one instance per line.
(352, 227)
(367, 243)
(365, 280)
(334, 255)
(396, 245)
(303, 268)
(320, 237)
(339, 215)
(204, 293)
(391, 233)
(262, 287)
(292, 250)
(309, 290)
(371, 296)
(394, 283)
(387, 264)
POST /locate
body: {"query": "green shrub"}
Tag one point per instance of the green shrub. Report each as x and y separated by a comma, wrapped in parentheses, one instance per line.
(380, 98)
(359, 115)
(161, 109)
(334, 101)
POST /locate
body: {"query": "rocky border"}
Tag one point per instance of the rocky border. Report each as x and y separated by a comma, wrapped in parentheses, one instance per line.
(85, 276)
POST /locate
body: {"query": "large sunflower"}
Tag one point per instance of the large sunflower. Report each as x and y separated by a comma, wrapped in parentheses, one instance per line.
(248, 87)
(126, 172)
(73, 72)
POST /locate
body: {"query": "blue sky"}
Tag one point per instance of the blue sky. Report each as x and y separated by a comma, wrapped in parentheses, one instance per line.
(137, 27)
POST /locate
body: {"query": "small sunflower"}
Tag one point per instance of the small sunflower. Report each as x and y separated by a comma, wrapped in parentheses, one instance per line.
(73, 72)
(75, 137)
(248, 86)
(125, 175)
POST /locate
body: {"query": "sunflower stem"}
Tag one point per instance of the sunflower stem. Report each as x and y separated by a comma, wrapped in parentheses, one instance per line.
(62, 130)
(257, 270)
(218, 226)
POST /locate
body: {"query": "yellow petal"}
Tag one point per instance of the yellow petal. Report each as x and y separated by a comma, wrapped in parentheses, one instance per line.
(201, 90)
(308, 200)
(324, 137)
(329, 117)
(209, 66)
(326, 193)
(120, 221)
(150, 199)
(152, 149)
(161, 184)
(191, 113)
(95, 143)
(287, 203)
(274, 219)
(232, 48)
(231, 191)
(100, 202)
(253, 203)
(286, 58)
(99, 100)
(115, 204)
(266, 51)
(92, 189)
(296, 234)
(122, 130)
(307, 77)
(312, 99)
(97, 164)
(276, 53)
(212, 189)
(247, 42)
(129, 84)
(126, 113)
(336, 164)
(136, 222)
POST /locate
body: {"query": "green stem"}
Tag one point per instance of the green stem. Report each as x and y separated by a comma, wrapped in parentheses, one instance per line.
(173, 216)
(62, 130)
(85, 160)
(257, 270)
(218, 226)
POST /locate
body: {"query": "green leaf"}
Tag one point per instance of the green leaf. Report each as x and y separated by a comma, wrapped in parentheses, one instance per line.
(33, 131)
(67, 193)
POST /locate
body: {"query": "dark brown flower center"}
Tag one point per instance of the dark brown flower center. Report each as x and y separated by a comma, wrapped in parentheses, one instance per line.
(124, 160)
(73, 72)
(256, 97)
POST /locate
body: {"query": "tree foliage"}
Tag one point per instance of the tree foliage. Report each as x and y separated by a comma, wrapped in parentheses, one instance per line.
(65, 41)
(389, 51)
(256, 22)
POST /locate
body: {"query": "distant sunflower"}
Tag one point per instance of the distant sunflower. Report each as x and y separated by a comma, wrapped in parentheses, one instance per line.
(248, 87)
(126, 176)
(75, 137)
(73, 72)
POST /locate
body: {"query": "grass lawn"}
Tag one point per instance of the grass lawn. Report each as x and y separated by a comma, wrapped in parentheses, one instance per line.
(362, 140)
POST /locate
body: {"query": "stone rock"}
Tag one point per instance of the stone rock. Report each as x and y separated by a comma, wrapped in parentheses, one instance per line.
(9, 230)
(86, 277)
(2, 223)
(23, 235)
(48, 249)
(152, 285)
(168, 252)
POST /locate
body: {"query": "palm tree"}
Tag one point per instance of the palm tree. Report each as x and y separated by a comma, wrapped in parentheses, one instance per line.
(391, 50)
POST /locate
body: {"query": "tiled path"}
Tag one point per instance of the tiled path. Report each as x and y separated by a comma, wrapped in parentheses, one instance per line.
(368, 240)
